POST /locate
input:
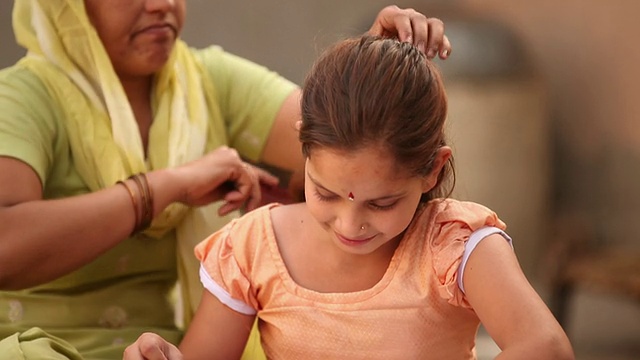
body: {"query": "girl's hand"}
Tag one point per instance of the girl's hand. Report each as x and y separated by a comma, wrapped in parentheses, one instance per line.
(408, 25)
(150, 346)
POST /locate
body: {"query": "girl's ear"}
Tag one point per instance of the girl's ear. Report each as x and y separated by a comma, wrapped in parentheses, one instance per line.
(442, 156)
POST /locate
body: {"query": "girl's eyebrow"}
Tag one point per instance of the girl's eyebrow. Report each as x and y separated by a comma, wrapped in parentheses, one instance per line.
(318, 184)
(392, 196)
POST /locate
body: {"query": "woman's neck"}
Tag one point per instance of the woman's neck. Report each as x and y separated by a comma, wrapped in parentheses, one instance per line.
(138, 93)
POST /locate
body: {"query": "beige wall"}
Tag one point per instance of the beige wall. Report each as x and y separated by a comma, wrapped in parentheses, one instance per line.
(589, 53)
(585, 51)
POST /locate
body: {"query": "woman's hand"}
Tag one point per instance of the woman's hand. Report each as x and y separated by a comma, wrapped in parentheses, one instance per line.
(408, 25)
(150, 346)
(221, 175)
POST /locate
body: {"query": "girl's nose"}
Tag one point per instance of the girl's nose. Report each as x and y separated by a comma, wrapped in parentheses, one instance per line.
(350, 223)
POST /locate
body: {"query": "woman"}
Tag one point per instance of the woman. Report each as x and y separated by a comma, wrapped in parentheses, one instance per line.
(106, 92)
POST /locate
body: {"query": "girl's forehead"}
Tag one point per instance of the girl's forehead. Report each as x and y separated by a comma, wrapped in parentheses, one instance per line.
(340, 154)
(360, 168)
(358, 160)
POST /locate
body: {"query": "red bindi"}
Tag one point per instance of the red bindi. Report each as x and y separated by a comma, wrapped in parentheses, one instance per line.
(351, 196)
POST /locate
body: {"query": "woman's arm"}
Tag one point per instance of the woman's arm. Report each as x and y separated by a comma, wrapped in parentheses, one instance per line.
(510, 309)
(41, 240)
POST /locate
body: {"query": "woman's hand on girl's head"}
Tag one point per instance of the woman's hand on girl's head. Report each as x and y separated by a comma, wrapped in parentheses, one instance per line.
(408, 25)
(150, 346)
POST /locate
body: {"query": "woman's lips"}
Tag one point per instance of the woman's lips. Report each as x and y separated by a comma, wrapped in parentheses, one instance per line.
(159, 30)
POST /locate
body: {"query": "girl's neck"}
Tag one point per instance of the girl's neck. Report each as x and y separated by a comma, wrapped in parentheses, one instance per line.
(348, 261)
(316, 263)
(348, 272)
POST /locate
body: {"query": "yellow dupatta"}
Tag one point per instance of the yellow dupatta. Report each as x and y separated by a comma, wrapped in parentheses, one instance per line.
(65, 52)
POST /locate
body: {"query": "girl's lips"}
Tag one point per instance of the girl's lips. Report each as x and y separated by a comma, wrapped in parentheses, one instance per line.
(353, 242)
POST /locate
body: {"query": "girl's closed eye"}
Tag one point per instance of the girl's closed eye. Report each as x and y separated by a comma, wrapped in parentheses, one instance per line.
(383, 205)
(325, 197)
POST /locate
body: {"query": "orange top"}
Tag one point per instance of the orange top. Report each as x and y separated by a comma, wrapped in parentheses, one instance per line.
(416, 311)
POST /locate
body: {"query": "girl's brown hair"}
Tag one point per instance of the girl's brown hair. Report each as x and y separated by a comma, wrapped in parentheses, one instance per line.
(377, 91)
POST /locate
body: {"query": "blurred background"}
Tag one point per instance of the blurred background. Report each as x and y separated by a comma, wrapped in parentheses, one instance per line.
(543, 121)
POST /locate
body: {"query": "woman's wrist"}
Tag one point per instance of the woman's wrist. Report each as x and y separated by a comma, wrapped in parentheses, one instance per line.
(142, 199)
(146, 202)
(165, 186)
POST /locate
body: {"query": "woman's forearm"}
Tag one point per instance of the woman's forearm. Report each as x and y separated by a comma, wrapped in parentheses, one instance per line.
(42, 240)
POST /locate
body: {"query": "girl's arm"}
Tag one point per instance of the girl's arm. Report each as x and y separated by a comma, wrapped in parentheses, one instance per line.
(509, 308)
(217, 332)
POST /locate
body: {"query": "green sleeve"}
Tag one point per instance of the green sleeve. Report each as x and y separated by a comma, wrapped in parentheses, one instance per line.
(27, 120)
(249, 98)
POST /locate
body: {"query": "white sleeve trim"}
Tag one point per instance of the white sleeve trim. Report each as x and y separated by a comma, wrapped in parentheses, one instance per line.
(470, 245)
(223, 295)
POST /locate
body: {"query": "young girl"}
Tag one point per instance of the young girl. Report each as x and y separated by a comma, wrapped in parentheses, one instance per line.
(376, 264)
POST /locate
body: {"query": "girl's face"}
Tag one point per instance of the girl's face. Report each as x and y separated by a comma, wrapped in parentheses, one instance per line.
(137, 34)
(362, 199)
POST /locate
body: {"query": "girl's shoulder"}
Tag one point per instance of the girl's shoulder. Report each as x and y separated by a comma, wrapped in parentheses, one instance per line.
(472, 214)
(289, 219)
(267, 224)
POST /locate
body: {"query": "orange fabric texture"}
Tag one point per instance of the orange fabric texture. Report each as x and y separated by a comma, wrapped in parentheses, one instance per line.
(416, 311)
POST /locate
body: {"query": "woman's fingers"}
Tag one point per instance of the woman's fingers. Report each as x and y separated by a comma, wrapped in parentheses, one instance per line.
(435, 40)
(223, 175)
(250, 187)
(392, 21)
(265, 177)
(408, 25)
(445, 51)
(246, 188)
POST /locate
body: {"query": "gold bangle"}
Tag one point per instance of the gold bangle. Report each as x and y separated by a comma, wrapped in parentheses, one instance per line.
(143, 195)
(134, 201)
(147, 201)
(149, 196)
